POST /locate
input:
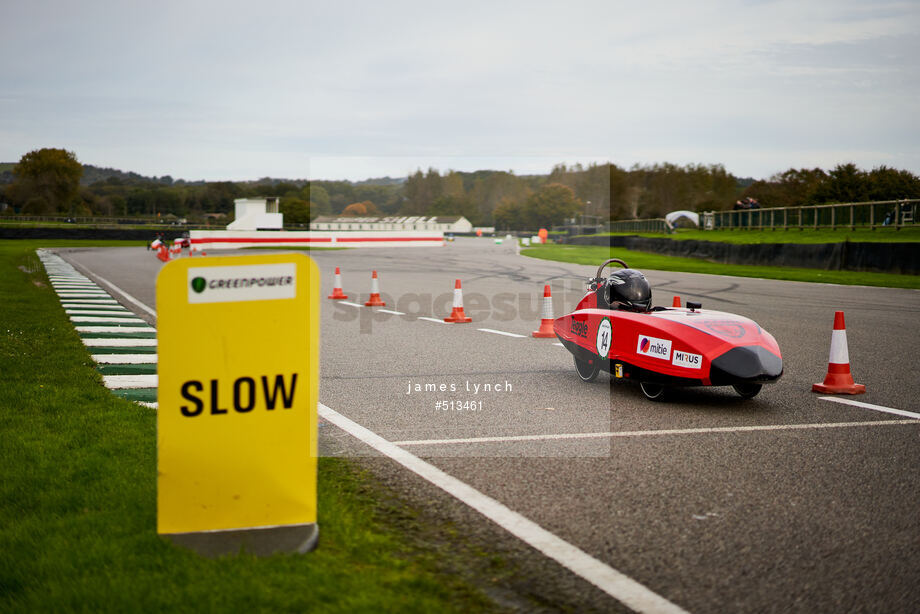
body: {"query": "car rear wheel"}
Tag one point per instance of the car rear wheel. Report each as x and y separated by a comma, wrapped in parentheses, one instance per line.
(652, 392)
(587, 371)
(747, 391)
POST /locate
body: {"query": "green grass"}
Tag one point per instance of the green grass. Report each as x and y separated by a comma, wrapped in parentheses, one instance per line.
(595, 255)
(879, 235)
(78, 500)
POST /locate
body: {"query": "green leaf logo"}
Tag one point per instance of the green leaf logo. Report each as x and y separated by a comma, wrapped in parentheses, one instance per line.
(198, 284)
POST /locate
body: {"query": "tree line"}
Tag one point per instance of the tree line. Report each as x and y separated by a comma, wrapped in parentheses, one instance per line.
(53, 182)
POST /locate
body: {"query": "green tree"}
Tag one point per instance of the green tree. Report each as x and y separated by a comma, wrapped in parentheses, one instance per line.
(791, 188)
(845, 184)
(550, 206)
(318, 198)
(295, 210)
(508, 215)
(47, 180)
(455, 205)
(891, 184)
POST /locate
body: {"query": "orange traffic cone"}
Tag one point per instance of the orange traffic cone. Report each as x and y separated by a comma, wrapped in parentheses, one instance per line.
(163, 253)
(374, 300)
(676, 302)
(337, 293)
(457, 316)
(546, 321)
(838, 379)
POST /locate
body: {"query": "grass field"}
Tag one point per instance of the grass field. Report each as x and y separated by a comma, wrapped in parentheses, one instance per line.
(595, 255)
(879, 235)
(78, 500)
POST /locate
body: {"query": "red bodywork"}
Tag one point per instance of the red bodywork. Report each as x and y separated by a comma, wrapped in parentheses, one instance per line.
(674, 345)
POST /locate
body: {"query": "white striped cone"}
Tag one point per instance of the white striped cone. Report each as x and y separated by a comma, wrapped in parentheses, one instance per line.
(546, 322)
(374, 300)
(838, 379)
(337, 293)
(456, 315)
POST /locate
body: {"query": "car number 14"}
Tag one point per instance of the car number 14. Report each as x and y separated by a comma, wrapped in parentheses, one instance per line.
(604, 338)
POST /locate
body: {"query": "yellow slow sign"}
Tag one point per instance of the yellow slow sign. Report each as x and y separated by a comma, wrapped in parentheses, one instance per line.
(238, 364)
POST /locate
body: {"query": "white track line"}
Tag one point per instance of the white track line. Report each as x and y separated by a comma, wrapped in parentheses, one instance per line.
(655, 433)
(112, 313)
(349, 304)
(395, 313)
(501, 332)
(882, 408)
(119, 343)
(125, 359)
(115, 329)
(120, 382)
(84, 319)
(427, 319)
(58, 288)
(88, 301)
(617, 585)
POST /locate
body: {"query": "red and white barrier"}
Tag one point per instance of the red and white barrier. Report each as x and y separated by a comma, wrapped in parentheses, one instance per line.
(229, 239)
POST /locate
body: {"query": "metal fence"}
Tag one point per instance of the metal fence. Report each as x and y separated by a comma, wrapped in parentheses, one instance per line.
(888, 213)
(46, 219)
(657, 225)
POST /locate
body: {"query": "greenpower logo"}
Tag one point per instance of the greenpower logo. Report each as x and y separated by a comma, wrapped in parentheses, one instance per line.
(242, 282)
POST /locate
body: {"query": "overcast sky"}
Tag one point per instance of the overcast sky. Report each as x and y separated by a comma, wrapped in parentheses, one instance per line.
(240, 90)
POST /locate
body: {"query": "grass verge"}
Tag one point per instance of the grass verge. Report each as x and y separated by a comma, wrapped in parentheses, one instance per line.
(595, 255)
(78, 499)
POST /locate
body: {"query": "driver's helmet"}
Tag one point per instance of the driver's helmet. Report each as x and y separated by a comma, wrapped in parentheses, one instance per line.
(628, 289)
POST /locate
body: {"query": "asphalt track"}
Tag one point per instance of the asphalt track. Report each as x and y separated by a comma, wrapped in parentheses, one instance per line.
(787, 502)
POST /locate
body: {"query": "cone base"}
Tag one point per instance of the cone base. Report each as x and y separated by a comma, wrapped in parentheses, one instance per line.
(337, 295)
(375, 302)
(458, 317)
(546, 330)
(846, 389)
(838, 383)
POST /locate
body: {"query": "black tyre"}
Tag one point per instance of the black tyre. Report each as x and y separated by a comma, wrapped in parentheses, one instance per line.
(587, 371)
(653, 392)
(747, 391)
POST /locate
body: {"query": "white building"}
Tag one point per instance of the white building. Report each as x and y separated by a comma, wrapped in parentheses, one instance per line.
(442, 223)
(257, 214)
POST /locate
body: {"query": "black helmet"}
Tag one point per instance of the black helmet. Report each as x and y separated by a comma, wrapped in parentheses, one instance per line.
(629, 288)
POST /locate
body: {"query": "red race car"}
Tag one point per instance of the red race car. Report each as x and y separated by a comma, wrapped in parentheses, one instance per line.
(614, 328)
